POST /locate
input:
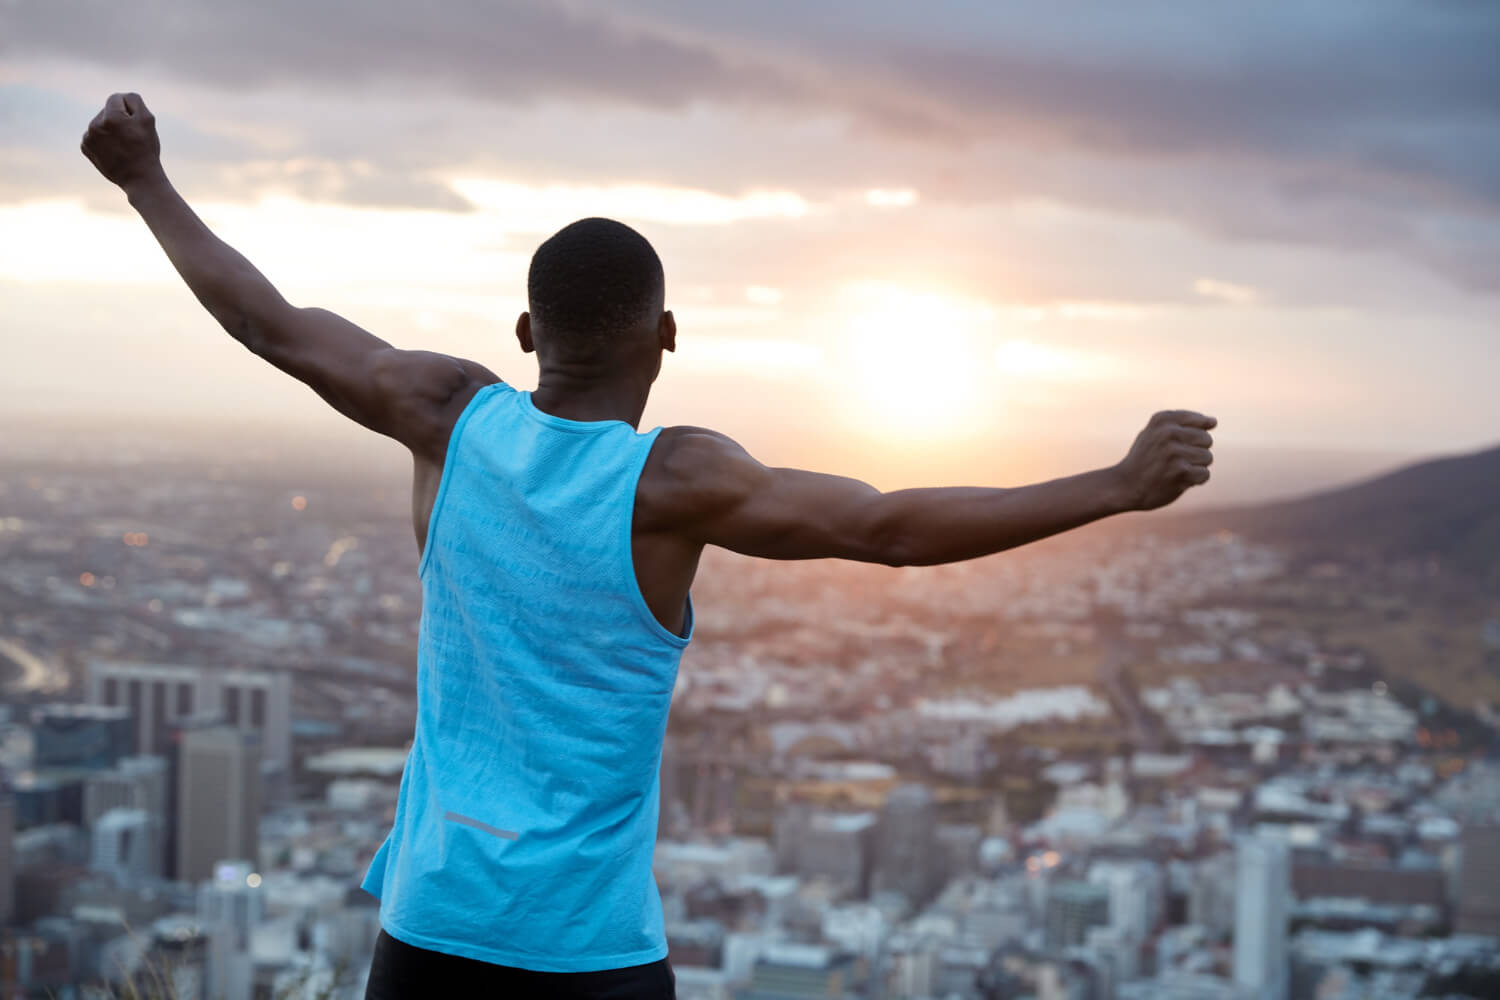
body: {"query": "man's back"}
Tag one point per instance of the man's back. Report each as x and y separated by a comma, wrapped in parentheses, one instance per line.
(573, 558)
(527, 815)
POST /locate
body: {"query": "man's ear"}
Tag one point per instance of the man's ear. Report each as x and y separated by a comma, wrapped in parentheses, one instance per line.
(666, 331)
(523, 332)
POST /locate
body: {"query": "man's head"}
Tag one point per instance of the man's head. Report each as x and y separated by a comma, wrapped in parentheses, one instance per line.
(596, 294)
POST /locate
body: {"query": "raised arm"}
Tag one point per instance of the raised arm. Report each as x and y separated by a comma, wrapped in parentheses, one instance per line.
(406, 395)
(707, 490)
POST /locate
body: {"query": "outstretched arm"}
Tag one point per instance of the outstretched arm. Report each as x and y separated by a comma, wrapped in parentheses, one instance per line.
(711, 492)
(402, 394)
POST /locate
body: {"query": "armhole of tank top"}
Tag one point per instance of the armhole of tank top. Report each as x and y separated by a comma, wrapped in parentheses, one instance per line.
(632, 584)
(447, 475)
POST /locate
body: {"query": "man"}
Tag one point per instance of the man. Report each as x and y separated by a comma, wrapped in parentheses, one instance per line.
(557, 549)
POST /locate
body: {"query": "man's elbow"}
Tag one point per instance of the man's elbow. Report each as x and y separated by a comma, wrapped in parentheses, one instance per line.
(249, 333)
(886, 537)
(261, 330)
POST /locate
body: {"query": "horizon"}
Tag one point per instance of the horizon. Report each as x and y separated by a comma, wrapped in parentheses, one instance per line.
(339, 448)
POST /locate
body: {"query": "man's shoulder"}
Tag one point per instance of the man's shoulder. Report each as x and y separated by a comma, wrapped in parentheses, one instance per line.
(692, 472)
(429, 377)
(685, 454)
(687, 439)
(427, 392)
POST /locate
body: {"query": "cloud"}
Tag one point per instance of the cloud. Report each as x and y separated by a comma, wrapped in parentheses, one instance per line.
(353, 183)
(1225, 291)
(539, 208)
(763, 295)
(891, 197)
(1045, 362)
(498, 50)
(1349, 124)
(1339, 124)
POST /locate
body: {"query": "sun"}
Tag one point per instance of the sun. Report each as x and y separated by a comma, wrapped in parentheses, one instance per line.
(914, 361)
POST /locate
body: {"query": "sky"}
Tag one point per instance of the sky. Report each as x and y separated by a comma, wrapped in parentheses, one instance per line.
(913, 243)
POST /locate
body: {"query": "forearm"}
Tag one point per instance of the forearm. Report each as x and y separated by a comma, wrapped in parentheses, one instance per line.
(924, 527)
(227, 284)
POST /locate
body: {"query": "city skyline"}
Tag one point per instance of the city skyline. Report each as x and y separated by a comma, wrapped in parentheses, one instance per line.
(268, 721)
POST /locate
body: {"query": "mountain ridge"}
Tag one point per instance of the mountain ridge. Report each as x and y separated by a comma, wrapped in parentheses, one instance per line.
(1445, 508)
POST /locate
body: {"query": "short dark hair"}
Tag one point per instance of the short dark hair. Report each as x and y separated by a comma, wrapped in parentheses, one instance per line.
(593, 279)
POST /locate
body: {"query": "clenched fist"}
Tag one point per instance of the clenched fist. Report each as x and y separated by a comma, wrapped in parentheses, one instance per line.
(1169, 456)
(121, 140)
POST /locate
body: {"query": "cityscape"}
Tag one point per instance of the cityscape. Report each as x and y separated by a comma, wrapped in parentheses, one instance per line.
(1243, 746)
(1150, 760)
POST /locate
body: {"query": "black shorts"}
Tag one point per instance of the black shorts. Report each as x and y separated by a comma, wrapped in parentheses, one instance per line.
(401, 971)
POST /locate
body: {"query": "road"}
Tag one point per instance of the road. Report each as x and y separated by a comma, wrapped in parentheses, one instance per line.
(1111, 671)
(36, 674)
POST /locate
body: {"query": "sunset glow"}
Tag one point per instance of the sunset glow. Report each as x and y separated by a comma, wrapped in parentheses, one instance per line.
(1021, 237)
(915, 361)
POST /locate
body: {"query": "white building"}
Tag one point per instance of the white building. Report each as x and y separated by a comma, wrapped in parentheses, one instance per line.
(1262, 903)
(1178, 986)
(230, 905)
(1135, 895)
(683, 864)
(125, 846)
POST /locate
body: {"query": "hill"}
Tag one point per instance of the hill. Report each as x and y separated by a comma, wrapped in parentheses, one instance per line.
(1446, 509)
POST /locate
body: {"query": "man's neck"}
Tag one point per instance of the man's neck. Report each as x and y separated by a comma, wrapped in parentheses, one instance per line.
(579, 396)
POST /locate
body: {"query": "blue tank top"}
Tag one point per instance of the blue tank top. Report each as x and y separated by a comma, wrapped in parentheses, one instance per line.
(526, 820)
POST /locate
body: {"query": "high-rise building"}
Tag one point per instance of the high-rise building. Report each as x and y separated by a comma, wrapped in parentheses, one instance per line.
(230, 905)
(958, 846)
(7, 853)
(1073, 908)
(1479, 880)
(84, 736)
(125, 846)
(715, 787)
(46, 797)
(218, 799)
(670, 789)
(1135, 894)
(233, 897)
(158, 695)
(796, 971)
(833, 846)
(907, 858)
(1262, 904)
(133, 783)
(1211, 895)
